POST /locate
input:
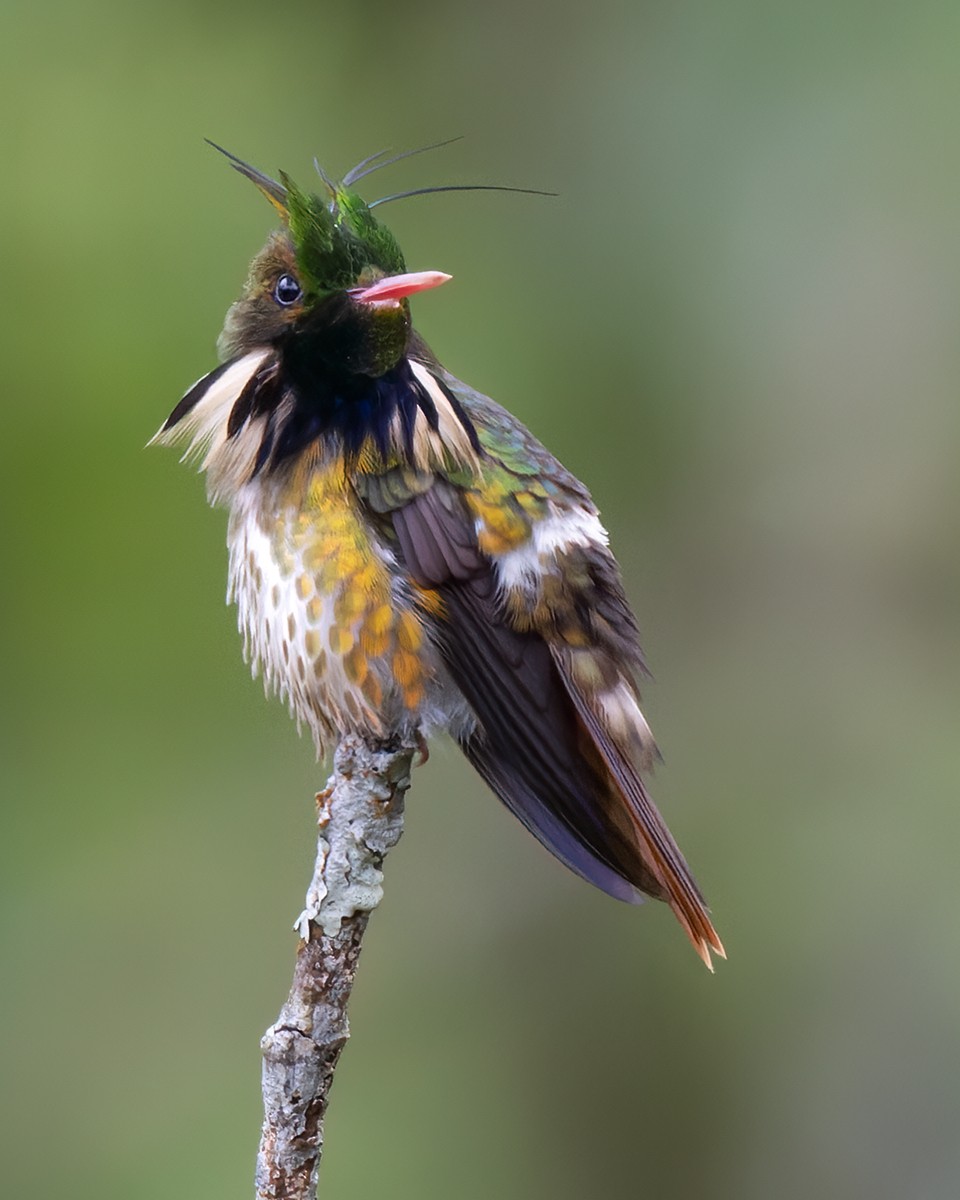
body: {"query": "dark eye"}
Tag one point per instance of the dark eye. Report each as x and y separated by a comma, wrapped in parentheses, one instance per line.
(287, 290)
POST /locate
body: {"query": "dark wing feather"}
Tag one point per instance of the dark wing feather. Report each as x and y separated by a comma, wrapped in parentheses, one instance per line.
(437, 538)
(541, 742)
(530, 744)
(528, 747)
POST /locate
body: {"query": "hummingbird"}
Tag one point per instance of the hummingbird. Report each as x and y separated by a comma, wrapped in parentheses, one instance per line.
(407, 558)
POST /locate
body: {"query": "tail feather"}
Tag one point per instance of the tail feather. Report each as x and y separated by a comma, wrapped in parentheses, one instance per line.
(657, 848)
(550, 759)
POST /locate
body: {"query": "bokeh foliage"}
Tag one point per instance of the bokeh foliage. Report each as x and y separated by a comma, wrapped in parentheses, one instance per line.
(738, 323)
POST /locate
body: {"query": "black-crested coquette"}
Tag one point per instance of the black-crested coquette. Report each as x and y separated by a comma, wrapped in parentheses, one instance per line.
(406, 557)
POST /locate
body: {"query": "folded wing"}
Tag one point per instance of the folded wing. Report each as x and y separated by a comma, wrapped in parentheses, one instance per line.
(560, 737)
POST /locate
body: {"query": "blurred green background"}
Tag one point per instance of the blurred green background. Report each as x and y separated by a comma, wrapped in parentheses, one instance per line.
(738, 323)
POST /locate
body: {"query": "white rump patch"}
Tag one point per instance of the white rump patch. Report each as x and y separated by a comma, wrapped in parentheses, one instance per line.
(562, 528)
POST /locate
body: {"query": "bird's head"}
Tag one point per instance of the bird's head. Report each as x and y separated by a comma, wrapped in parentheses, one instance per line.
(329, 289)
(318, 354)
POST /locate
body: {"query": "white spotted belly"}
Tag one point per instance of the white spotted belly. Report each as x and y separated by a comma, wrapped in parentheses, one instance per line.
(330, 624)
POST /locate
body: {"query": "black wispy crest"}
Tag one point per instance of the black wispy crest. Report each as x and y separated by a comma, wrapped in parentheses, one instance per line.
(370, 164)
(459, 187)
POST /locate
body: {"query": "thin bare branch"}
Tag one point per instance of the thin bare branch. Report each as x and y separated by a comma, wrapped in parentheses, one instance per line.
(359, 818)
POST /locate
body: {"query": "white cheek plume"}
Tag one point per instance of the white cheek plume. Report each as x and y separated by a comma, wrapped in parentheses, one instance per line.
(204, 427)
